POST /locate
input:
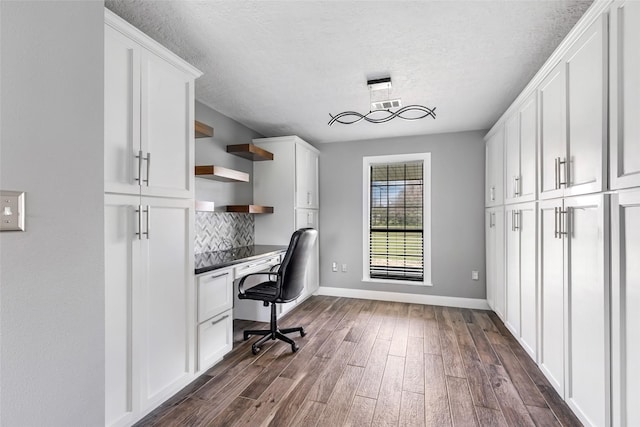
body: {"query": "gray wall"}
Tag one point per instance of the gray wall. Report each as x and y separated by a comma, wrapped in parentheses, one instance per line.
(51, 146)
(457, 211)
(213, 151)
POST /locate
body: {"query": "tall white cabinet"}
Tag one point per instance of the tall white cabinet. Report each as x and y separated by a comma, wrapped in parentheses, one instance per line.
(494, 235)
(289, 183)
(149, 290)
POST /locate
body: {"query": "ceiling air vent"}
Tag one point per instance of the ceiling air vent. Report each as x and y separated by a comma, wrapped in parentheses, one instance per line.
(386, 104)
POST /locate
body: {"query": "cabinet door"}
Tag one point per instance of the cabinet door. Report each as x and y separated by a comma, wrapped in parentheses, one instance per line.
(215, 339)
(490, 250)
(494, 193)
(306, 178)
(553, 133)
(122, 263)
(552, 300)
(121, 113)
(166, 305)
(587, 277)
(167, 128)
(512, 269)
(625, 340)
(527, 227)
(215, 294)
(309, 218)
(624, 104)
(495, 260)
(587, 100)
(528, 149)
(512, 158)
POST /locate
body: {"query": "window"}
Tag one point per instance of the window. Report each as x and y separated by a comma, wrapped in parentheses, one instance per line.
(396, 235)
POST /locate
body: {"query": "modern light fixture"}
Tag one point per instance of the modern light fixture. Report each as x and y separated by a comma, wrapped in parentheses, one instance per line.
(379, 111)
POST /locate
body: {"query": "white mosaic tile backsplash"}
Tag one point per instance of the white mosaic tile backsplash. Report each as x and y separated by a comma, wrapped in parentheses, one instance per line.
(217, 231)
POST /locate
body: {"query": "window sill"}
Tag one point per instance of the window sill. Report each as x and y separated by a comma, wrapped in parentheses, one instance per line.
(396, 282)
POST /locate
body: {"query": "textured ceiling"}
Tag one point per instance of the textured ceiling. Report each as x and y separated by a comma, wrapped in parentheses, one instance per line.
(280, 67)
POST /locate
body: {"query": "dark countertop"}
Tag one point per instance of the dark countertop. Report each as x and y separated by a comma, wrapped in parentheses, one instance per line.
(209, 261)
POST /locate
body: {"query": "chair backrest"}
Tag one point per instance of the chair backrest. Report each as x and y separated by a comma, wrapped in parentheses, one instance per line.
(294, 265)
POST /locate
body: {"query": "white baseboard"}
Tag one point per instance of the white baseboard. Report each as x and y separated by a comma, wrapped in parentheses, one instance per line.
(479, 304)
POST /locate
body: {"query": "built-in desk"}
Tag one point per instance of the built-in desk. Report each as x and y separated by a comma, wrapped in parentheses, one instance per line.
(215, 276)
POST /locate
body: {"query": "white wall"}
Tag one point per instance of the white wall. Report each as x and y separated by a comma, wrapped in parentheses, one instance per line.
(213, 151)
(52, 275)
(457, 211)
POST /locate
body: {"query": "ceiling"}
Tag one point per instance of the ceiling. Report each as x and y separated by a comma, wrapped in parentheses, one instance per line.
(280, 67)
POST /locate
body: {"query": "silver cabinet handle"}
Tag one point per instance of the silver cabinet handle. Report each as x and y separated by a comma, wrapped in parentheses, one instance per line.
(492, 192)
(148, 212)
(557, 172)
(560, 181)
(491, 219)
(555, 226)
(516, 220)
(138, 212)
(308, 197)
(140, 158)
(564, 222)
(148, 159)
(213, 322)
(516, 191)
(218, 276)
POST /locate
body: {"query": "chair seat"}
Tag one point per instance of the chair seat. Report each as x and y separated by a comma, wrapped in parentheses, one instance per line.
(265, 291)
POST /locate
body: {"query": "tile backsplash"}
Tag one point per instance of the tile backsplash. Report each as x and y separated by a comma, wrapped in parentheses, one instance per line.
(223, 230)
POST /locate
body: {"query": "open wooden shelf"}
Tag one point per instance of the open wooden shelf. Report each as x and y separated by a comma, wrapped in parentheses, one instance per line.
(202, 130)
(218, 173)
(254, 209)
(250, 151)
(203, 206)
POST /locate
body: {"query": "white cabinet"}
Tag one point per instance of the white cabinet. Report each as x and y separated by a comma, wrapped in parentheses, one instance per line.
(494, 172)
(289, 183)
(625, 339)
(520, 274)
(149, 116)
(573, 104)
(148, 268)
(215, 293)
(149, 291)
(575, 299)
(494, 231)
(521, 136)
(215, 339)
(624, 101)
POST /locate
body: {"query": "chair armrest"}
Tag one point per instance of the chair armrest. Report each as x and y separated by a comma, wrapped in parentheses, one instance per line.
(261, 273)
(275, 267)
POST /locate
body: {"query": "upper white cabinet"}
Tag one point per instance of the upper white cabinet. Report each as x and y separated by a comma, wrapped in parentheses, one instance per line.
(149, 115)
(625, 301)
(521, 135)
(306, 177)
(574, 310)
(624, 101)
(573, 122)
(494, 172)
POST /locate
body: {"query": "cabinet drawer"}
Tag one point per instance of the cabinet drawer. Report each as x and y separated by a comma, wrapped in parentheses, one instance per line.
(215, 339)
(256, 266)
(215, 294)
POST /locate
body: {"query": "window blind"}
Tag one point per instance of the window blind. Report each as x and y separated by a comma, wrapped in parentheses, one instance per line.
(396, 221)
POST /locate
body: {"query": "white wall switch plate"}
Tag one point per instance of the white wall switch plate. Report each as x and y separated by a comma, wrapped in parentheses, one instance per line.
(475, 275)
(334, 267)
(11, 210)
(344, 268)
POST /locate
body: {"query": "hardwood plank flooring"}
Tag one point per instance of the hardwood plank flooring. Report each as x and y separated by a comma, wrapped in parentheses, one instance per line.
(370, 363)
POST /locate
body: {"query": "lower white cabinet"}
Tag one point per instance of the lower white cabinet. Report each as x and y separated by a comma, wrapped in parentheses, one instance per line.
(148, 303)
(574, 284)
(215, 339)
(494, 230)
(215, 293)
(309, 218)
(520, 274)
(625, 339)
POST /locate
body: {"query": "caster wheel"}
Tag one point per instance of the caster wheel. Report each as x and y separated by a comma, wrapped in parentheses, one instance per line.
(246, 336)
(294, 347)
(302, 333)
(255, 350)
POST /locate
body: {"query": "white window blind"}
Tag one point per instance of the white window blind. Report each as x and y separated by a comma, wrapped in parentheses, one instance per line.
(396, 234)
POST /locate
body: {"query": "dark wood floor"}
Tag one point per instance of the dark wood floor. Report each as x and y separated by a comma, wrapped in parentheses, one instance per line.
(373, 363)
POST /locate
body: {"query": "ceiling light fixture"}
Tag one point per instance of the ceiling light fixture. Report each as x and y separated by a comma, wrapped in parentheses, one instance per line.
(380, 108)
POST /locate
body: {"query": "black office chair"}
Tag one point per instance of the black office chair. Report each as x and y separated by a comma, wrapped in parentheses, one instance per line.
(284, 285)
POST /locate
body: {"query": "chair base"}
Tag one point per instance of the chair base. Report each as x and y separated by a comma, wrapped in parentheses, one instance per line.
(274, 333)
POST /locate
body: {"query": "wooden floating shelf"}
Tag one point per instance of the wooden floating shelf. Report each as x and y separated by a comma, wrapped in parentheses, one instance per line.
(202, 130)
(202, 206)
(253, 209)
(250, 151)
(218, 173)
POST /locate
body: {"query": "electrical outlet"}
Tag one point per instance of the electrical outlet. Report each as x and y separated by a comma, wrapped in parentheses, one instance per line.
(344, 268)
(334, 267)
(475, 275)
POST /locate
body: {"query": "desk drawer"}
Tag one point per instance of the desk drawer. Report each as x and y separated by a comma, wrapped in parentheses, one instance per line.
(215, 294)
(215, 339)
(256, 266)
